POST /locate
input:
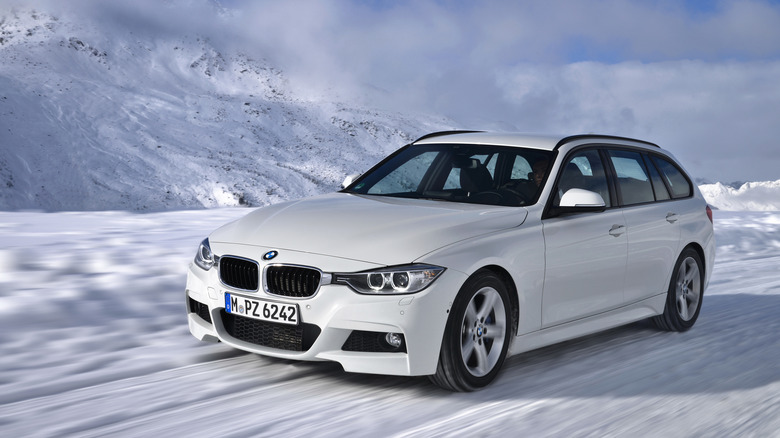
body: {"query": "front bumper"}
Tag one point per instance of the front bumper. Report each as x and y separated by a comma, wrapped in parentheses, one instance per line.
(337, 311)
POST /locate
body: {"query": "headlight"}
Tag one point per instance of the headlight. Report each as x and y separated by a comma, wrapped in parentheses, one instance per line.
(406, 279)
(205, 258)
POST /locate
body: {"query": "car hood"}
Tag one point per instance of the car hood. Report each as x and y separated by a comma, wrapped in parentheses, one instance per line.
(374, 229)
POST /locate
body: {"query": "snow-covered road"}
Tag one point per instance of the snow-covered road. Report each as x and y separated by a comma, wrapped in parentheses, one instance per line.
(94, 342)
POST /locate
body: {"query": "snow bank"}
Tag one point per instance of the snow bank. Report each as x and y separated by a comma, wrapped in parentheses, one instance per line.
(751, 196)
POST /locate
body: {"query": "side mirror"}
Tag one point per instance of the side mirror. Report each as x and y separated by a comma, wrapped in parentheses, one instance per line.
(349, 180)
(578, 201)
(579, 198)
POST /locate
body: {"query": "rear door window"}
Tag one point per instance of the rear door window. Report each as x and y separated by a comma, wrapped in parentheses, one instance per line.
(632, 179)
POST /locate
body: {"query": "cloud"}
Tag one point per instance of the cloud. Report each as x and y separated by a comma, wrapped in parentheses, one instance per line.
(698, 77)
(699, 81)
(719, 118)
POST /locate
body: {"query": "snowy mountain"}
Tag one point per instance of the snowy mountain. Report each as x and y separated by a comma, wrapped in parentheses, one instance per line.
(751, 196)
(97, 120)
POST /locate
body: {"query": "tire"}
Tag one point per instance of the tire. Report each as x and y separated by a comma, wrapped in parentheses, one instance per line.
(684, 297)
(477, 335)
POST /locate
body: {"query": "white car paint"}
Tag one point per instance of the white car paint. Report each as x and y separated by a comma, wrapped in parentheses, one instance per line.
(568, 275)
(380, 230)
(585, 266)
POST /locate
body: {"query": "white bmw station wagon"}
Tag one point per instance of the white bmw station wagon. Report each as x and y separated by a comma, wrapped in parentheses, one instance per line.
(458, 250)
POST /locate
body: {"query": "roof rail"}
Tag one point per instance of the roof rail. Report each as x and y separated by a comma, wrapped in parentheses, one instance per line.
(597, 136)
(440, 133)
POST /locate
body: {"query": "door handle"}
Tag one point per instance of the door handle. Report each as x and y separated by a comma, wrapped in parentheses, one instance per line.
(617, 230)
(671, 217)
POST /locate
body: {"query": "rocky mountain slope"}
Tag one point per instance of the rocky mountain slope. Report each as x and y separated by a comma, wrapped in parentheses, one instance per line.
(98, 120)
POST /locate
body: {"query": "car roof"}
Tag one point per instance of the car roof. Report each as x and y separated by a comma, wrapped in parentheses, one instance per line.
(534, 141)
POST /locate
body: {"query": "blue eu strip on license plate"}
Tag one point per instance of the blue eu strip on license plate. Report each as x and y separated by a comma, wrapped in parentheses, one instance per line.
(261, 309)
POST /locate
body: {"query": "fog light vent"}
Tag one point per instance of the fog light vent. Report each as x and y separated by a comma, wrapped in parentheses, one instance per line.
(375, 342)
(201, 310)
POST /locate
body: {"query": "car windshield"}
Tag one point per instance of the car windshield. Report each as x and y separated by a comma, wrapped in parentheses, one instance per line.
(479, 174)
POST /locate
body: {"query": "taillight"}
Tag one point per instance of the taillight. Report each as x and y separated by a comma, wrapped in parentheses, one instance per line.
(709, 213)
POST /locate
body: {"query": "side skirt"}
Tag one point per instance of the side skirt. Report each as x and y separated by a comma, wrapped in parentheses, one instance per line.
(582, 327)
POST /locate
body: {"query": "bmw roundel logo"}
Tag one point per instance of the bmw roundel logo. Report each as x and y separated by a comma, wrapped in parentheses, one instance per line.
(270, 254)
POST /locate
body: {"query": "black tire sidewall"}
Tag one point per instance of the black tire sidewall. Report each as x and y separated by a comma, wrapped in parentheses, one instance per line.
(671, 312)
(452, 335)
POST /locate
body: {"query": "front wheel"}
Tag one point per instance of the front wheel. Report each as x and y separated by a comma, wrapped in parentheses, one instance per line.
(684, 297)
(477, 335)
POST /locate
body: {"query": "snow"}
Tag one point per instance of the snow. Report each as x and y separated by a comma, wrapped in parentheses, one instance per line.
(752, 196)
(93, 335)
(95, 342)
(101, 119)
(93, 118)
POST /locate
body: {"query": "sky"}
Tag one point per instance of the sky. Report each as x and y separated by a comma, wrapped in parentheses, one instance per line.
(700, 78)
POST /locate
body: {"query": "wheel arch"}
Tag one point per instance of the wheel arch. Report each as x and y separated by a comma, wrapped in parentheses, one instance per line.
(453, 370)
(700, 251)
(514, 301)
(672, 319)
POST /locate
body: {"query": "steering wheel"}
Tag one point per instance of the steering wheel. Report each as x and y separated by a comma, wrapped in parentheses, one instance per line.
(502, 196)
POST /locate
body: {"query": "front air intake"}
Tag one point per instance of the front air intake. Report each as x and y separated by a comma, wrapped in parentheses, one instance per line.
(269, 334)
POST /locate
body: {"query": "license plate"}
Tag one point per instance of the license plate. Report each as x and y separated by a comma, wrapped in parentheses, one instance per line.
(261, 309)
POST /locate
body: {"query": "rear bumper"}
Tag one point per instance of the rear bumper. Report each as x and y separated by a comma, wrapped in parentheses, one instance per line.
(709, 259)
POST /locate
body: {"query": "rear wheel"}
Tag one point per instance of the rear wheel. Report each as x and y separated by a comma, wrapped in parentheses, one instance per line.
(684, 297)
(477, 335)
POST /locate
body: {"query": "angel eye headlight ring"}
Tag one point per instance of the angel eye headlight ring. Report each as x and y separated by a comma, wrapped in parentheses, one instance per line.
(404, 279)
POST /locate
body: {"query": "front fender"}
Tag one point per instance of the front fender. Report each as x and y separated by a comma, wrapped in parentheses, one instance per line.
(519, 251)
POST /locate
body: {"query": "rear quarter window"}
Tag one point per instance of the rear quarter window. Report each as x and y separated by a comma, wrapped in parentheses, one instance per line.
(661, 192)
(679, 185)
